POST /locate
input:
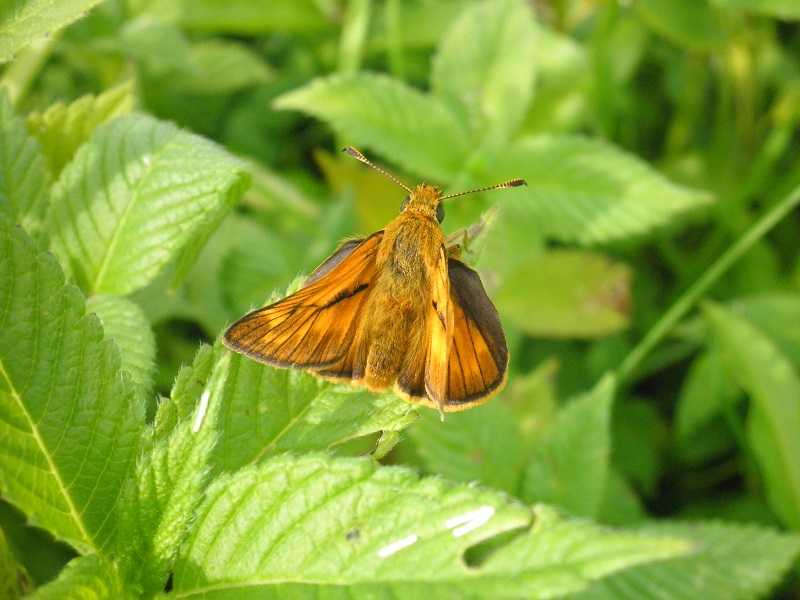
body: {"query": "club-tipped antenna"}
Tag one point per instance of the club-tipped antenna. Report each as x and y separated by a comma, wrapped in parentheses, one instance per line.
(356, 154)
(499, 186)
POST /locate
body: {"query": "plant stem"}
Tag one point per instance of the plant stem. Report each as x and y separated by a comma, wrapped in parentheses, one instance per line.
(690, 297)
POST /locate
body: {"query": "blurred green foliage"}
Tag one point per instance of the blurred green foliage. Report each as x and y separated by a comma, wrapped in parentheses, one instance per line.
(648, 280)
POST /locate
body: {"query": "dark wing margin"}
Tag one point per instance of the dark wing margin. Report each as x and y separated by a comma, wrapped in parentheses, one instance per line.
(478, 361)
(315, 326)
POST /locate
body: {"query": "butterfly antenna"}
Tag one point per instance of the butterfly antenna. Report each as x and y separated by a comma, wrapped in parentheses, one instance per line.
(356, 154)
(506, 184)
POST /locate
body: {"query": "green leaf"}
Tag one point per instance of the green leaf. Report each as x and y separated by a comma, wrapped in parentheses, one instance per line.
(730, 562)
(138, 194)
(186, 393)
(483, 444)
(124, 322)
(570, 463)
(85, 577)
(486, 65)
(778, 316)
(224, 67)
(23, 178)
(586, 191)
(309, 527)
(12, 575)
(25, 21)
(159, 504)
(243, 17)
(566, 293)
(692, 24)
(706, 391)
(69, 421)
(267, 411)
(773, 421)
(414, 130)
(62, 128)
(781, 9)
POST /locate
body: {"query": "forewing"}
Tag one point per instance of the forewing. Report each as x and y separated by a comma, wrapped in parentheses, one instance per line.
(478, 359)
(313, 327)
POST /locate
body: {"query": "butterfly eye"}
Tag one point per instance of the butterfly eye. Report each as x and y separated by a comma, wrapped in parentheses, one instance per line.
(403, 205)
(440, 213)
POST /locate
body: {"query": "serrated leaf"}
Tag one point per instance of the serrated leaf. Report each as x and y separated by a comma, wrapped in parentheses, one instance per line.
(85, 577)
(773, 420)
(138, 195)
(23, 178)
(566, 293)
(25, 21)
(781, 9)
(483, 445)
(586, 191)
(124, 322)
(159, 503)
(730, 562)
(414, 130)
(62, 128)
(570, 463)
(186, 393)
(486, 64)
(69, 421)
(692, 24)
(268, 411)
(306, 527)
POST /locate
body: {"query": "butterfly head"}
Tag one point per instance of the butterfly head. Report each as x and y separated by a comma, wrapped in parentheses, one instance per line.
(425, 199)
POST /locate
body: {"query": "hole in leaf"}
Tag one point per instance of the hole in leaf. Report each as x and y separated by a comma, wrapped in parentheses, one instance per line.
(475, 556)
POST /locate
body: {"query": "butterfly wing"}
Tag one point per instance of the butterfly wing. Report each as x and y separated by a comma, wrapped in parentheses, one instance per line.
(478, 359)
(315, 326)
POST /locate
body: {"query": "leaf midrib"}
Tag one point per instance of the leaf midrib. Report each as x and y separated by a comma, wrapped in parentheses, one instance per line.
(123, 219)
(74, 512)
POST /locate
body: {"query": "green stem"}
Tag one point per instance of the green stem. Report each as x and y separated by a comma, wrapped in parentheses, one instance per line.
(689, 298)
(354, 35)
(21, 72)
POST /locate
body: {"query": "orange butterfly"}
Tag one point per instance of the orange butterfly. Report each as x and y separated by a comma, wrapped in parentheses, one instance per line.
(398, 306)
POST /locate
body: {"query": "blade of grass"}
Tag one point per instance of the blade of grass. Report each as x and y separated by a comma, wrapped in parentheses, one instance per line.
(690, 297)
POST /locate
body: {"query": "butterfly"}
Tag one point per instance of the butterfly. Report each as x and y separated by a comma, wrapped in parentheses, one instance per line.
(396, 308)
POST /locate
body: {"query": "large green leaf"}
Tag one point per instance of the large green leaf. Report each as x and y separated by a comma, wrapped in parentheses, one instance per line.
(268, 411)
(570, 463)
(755, 363)
(69, 420)
(587, 191)
(136, 196)
(730, 562)
(486, 64)
(414, 130)
(311, 527)
(566, 293)
(159, 503)
(25, 21)
(484, 444)
(23, 177)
